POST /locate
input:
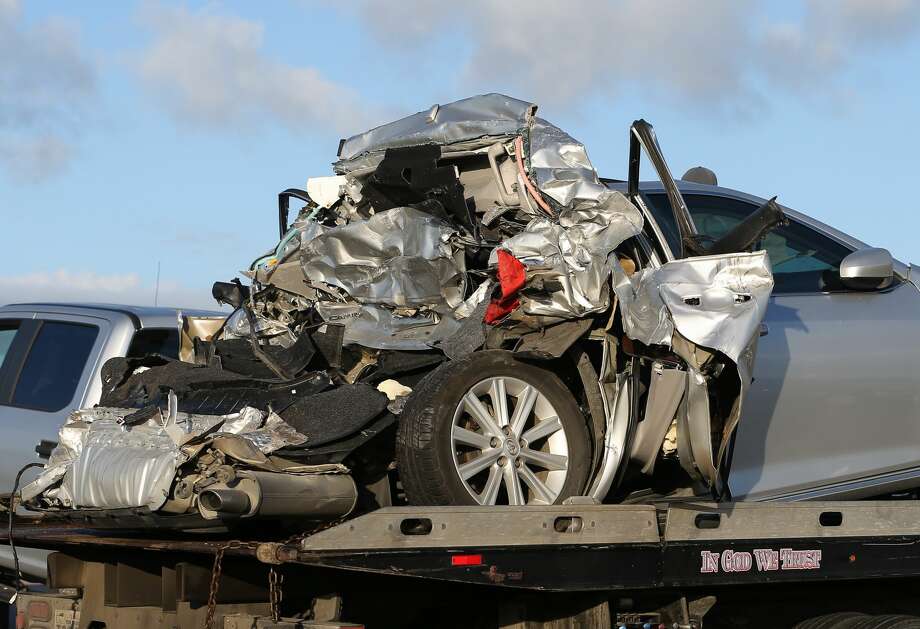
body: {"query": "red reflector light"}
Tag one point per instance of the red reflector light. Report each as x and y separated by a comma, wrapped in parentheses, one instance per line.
(466, 560)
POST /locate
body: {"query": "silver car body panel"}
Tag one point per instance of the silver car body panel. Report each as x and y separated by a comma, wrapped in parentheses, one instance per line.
(836, 393)
(488, 115)
(833, 408)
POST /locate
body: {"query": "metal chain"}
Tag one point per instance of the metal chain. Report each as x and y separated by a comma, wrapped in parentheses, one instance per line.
(275, 580)
(215, 583)
(319, 528)
(216, 571)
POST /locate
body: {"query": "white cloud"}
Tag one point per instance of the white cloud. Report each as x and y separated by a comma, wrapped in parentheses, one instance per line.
(566, 52)
(63, 285)
(211, 70)
(704, 54)
(46, 86)
(831, 34)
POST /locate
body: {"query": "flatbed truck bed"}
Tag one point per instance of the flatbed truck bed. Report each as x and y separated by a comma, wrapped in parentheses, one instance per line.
(583, 560)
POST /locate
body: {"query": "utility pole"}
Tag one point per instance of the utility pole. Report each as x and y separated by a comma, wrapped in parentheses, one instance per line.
(156, 290)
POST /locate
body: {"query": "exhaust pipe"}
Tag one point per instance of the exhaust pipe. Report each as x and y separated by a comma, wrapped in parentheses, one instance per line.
(277, 495)
(226, 501)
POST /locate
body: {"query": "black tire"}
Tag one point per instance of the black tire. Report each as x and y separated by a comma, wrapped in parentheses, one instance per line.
(856, 620)
(837, 620)
(423, 447)
(892, 621)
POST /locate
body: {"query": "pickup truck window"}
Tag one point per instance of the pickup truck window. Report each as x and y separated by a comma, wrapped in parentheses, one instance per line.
(162, 341)
(7, 333)
(52, 369)
(804, 260)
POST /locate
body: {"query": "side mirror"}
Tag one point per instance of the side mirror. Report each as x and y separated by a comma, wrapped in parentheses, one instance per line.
(867, 269)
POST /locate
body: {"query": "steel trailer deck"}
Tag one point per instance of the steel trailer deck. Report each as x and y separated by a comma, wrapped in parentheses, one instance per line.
(580, 547)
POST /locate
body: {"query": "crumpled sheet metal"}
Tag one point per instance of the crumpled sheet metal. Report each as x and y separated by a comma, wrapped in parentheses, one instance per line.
(401, 257)
(574, 252)
(717, 302)
(487, 115)
(67, 450)
(300, 233)
(561, 167)
(380, 327)
(120, 468)
(273, 435)
(105, 465)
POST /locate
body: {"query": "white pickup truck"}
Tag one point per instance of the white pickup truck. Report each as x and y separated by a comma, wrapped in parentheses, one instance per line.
(50, 358)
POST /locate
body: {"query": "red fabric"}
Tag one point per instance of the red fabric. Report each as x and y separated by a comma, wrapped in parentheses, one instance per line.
(511, 277)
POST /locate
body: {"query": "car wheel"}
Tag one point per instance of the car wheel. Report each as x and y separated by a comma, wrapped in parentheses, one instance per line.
(491, 429)
(856, 620)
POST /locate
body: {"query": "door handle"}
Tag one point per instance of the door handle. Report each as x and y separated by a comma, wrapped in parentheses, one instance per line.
(764, 329)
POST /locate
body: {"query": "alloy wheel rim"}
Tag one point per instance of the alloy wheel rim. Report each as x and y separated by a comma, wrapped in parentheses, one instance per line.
(508, 444)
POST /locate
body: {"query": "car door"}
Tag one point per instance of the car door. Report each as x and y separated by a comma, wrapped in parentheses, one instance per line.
(834, 406)
(45, 369)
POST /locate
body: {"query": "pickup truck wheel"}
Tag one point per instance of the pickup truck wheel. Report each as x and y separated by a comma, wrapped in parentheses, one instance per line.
(490, 429)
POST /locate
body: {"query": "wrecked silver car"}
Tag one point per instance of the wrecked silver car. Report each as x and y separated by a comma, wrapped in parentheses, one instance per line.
(464, 313)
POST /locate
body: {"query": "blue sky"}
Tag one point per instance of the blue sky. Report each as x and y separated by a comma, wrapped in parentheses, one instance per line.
(133, 134)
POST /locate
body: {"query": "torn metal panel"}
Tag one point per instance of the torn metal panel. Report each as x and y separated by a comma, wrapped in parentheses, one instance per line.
(617, 402)
(745, 367)
(644, 315)
(67, 450)
(300, 233)
(120, 468)
(487, 115)
(471, 333)
(573, 254)
(273, 435)
(380, 327)
(401, 257)
(664, 397)
(561, 168)
(717, 302)
(698, 431)
(238, 326)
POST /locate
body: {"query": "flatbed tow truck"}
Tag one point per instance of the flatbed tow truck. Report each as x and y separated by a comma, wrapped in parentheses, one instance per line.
(574, 565)
(681, 564)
